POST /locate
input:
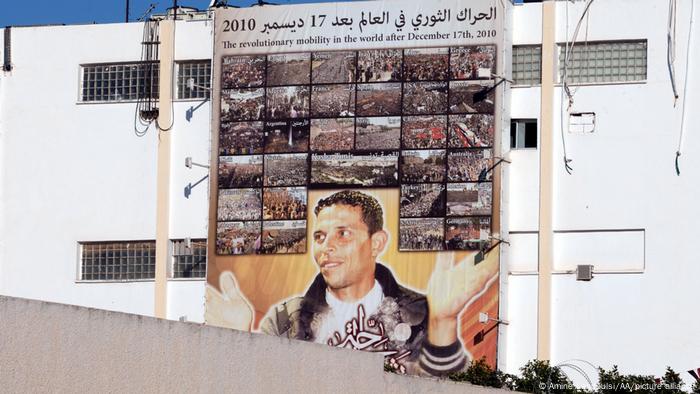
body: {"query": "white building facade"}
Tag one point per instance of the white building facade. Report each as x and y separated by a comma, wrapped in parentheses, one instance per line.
(77, 172)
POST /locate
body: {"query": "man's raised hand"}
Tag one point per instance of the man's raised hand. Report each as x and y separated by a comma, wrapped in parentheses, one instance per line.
(450, 289)
(228, 307)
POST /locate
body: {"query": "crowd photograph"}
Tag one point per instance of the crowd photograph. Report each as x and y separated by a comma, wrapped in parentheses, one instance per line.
(284, 237)
(333, 100)
(240, 171)
(468, 199)
(421, 234)
(424, 132)
(427, 64)
(467, 233)
(283, 203)
(422, 166)
(288, 102)
(354, 169)
(238, 204)
(287, 136)
(289, 69)
(242, 104)
(421, 120)
(381, 133)
(422, 200)
(471, 131)
(378, 99)
(472, 97)
(237, 237)
(240, 138)
(333, 67)
(242, 71)
(332, 134)
(381, 65)
(473, 62)
(424, 98)
(469, 165)
(286, 170)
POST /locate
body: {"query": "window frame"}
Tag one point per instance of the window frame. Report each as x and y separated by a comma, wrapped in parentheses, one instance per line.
(562, 46)
(524, 121)
(512, 63)
(172, 258)
(79, 272)
(81, 81)
(176, 87)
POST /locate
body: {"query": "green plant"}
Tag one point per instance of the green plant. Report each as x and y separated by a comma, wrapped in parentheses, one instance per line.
(671, 382)
(696, 387)
(538, 376)
(480, 373)
(612, 382)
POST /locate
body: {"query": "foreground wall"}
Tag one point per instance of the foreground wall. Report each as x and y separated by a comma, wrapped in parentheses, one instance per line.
(48, 347)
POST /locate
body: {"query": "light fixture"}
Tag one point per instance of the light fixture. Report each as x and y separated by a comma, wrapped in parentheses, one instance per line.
(484, 318)
(189, 163)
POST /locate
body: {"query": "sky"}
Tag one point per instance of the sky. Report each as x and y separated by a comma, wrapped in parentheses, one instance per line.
(44, 12)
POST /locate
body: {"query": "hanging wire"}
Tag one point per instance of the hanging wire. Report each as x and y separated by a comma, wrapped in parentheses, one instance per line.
(685, 88)
(172, 83)
(570, 48)
(146, 104)
(568, 52)
(671, 47)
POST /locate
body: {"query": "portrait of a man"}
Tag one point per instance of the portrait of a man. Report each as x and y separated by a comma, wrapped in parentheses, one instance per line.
(355, 300)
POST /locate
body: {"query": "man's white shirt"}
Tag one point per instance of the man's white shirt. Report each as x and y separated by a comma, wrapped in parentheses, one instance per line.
(341, 312)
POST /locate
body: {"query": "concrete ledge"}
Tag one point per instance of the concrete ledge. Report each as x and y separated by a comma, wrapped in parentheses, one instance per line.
(47, 347)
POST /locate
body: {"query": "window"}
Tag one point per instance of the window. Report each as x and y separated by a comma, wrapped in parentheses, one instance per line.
(189, 262)
(119, 82)
(602, 62)
(527, 64)
(523, 133)
(117, 260)
(200, 73)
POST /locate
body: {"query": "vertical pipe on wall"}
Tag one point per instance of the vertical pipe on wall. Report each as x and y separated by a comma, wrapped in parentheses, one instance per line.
(545, 251)
(165, 120)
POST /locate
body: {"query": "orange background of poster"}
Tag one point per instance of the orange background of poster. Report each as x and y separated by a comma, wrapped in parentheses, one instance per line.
(265, 280)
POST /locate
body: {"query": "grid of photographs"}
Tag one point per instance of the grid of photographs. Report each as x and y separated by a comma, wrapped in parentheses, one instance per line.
(419, 119)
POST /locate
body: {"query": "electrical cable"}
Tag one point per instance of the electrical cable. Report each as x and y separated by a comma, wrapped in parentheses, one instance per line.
(172, 83)
(671, 47)
(685, 87)
(144, 102)
(568, 51)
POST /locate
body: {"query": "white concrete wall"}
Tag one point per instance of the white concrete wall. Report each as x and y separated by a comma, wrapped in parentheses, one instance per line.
(623, 178)
(48, 348)
(77, 172)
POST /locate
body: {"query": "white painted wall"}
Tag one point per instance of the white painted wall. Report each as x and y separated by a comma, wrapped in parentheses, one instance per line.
(623, 178)
(77, 172)
(74, 172)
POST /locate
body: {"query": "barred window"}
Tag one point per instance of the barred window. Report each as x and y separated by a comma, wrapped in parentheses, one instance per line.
(527, 64)
(189, 262)
(119, 81)
(117, 260)
(200, 73)
(601, 62)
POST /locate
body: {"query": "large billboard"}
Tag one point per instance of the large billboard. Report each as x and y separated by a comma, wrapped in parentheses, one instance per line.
(354, 200)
